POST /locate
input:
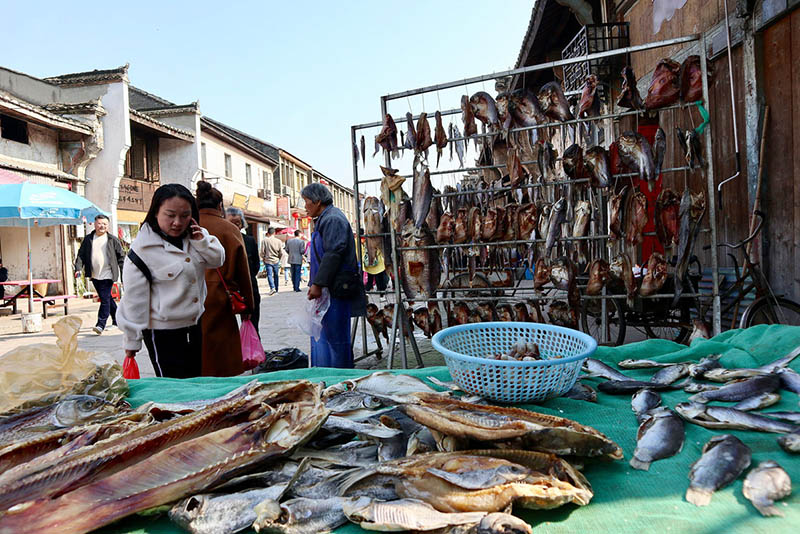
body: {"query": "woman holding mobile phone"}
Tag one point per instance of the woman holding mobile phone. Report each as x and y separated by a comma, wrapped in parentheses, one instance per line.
(165, 288)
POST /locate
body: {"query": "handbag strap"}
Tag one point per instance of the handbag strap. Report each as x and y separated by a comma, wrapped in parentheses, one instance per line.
(222, 279)
(138, 262)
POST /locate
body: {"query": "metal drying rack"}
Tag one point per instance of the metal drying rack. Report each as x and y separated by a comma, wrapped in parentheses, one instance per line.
(400, 324)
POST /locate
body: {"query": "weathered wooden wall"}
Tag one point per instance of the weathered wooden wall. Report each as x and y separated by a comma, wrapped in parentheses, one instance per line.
(781, 187)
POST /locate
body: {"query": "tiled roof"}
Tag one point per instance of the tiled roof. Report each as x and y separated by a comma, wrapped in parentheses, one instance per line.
(146, 120)
(91, 78)
(166, 111)
(31, 167)
(40, 114)
(140, 99)
(267, 149)
(60, 108)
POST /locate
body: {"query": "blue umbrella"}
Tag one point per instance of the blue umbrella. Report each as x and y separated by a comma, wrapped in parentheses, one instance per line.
(28, 204)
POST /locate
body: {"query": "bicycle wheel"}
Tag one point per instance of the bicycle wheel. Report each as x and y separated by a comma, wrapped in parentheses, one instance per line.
(592, 321)
(673, 325)
(771, 311)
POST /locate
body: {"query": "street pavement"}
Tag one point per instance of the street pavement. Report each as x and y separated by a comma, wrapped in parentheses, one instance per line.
(273, 328)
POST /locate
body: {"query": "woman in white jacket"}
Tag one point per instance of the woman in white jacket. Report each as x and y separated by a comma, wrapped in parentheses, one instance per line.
(165, 287)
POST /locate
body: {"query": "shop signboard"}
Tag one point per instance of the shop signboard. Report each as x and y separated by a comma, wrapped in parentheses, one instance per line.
(283, 207)
(239, 201)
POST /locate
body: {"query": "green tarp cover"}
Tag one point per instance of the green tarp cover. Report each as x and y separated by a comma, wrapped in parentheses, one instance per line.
(625, 500)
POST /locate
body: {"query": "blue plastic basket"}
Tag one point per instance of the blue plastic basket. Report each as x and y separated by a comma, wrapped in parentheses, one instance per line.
(465, 348)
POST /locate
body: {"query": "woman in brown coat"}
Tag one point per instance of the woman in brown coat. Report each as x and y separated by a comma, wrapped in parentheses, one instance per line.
(222, 349)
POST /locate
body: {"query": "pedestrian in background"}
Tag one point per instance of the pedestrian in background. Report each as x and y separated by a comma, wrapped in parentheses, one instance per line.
(332, 255)
(236, 217)
(271, 250)
(222, 347)
(165, 290)
(295, 247)
(376, 273)
(285, 266)
(101, 258)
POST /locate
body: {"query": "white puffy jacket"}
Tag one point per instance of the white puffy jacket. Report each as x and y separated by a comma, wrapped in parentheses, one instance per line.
(177, 295)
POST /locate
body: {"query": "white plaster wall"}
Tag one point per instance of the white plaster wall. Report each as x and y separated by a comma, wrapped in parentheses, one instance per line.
(105, 171)
(215, 169)
(42, 146)
(28, 88)
(180, 160)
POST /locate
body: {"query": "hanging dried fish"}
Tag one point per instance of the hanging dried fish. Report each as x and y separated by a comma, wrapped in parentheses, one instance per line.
(440, 137)
(691, 80)
(598, 276)
(547, 162)
(421, 269)
(636, 153)
(387, 138)
(446, 229)
(692, 149)
(635, 217)
(615, 215)
(580, 228)
(502, 102)
(656, 275)
(659, 149)
(411, 133)
(541, 274)
(470, 127)
(622, 270)
(422, 192)
(692, 209)
(573, 161)
(590, 103)
(373, 224)
(424, 140)
(596, 161)
(665, 88)
(666, 217)
(629, 97)
(485, 109)
(553, 102)
(558, 215)
(363, 152)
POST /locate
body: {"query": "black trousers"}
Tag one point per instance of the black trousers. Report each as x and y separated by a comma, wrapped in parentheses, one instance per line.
(381, 278)
(175, 353)
(256, 315)
(107, 304)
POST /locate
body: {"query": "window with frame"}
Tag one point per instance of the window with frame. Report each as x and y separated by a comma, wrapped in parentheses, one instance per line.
(141, 161)
(228, 166)
(13, 129)
(265, 179)
(248, 174)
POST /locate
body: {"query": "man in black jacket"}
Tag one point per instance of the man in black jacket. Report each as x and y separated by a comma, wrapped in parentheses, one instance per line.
(101, 257)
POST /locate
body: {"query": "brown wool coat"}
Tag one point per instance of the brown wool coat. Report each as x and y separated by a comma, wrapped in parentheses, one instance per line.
(222, 348)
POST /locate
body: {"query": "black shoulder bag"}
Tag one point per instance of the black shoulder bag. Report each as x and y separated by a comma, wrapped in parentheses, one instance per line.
(346, 285)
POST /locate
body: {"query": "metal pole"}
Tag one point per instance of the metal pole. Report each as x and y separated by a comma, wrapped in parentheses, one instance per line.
(399, 310)
(712, 204)
(30, 275)
(540, 66)
(357, 209)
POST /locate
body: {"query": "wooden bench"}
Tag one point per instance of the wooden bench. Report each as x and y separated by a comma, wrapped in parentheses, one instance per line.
(51, 302)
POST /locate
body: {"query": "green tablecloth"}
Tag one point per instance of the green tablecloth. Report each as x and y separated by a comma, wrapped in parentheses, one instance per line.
(626, 500)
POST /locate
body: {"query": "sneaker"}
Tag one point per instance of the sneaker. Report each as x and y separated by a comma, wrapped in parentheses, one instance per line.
(97, 330)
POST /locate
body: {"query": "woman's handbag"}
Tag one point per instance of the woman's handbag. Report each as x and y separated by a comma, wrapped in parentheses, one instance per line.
(346, 285)
(236, 299)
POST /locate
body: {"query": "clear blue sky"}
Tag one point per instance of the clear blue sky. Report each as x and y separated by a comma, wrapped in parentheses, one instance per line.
(296, 73)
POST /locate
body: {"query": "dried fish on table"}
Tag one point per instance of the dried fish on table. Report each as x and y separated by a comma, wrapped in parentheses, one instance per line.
(721, 417)
(581, 391)
(643, 401)
(660, 436)
(706, 364)
(766, 484)
(594, 367)
(644, 364)
(421, 269)
(423, 140)
(671, 374)
(666, 217)
(738, 391)
(488, 480)
(553, 102)
(629, 96)
(665, 87)
(300, 516)
(596, 161)
(491, 423)
(625, 387)
(724, 458)
(179, 470)
(598, 276)
(387, 137)
(403, 514)
(691, 79)
(635, 152)
(790, 379)
(793, 417)
(381, 384)
(221, 513)
(656, 275)
(790, 442)
(485, 109)
(757, 402)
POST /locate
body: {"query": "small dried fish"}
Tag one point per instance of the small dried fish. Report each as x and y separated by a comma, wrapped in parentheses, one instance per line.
(659, 149)
(597, 368)
(596, 161)
(363, 152)
(222, 513)
(629, 96)
(790, 442)
(738, 391)
(645, 364)
(582, 392)
(660, 436)
(717, 417)
(403, 514)
(424, 140)
(300, 516)
(624, 387)
(635, 152)
(766, 484)
(757, 402)
(670, 374)
(557, 216)
(724, 458)
(440, 137)
(706, 364)
(643, 401)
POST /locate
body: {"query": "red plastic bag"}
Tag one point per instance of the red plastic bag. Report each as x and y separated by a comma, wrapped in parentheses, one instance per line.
(252, 351)
(130, 369)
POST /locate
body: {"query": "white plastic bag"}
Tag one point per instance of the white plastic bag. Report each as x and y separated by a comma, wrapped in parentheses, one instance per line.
(310, 319)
